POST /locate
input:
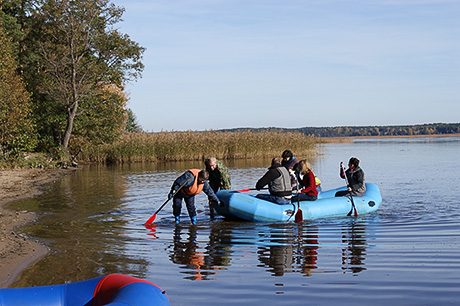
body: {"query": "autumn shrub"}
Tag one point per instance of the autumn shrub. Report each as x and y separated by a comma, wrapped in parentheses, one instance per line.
(193, 145)
(16, 127)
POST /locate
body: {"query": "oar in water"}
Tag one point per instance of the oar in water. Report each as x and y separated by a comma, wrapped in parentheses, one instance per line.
(152, 218)
(299, 214)
(353, 207)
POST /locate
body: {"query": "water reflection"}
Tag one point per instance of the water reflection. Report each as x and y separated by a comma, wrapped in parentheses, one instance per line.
(280, 248)
(298, 253)
(197, 264)
(81, 222)
(354, 252)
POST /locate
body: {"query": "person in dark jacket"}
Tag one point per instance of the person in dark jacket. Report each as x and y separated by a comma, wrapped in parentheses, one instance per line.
(290, 162)
(279, 184)
(354, 176)
(193, 182)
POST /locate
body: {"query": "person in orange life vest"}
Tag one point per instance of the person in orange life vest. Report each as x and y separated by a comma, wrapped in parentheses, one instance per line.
(306, 178)
(195, 181)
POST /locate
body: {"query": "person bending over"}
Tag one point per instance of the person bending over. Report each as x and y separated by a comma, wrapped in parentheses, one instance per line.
(194, 181)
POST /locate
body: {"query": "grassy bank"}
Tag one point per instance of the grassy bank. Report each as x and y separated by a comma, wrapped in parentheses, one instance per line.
(184, 146)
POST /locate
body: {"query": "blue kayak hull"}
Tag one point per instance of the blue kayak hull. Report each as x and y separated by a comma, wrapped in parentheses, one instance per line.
(248, 207)
(113, 290)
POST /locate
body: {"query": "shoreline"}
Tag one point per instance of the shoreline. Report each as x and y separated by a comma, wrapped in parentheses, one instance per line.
(351, 138)
(17, 252)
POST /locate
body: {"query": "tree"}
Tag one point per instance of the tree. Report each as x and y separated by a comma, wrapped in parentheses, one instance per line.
(82, 54)
(16, 126)
(131, 122)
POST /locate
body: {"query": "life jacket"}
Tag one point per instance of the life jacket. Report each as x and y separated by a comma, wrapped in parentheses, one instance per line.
(281, 186)
(195, 188)
(317, 180)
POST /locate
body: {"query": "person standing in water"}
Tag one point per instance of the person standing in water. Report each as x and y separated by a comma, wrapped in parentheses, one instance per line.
(219, 178)
(193, 182)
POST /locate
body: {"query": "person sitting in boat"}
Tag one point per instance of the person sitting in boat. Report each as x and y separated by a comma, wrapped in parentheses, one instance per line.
(289, 161)
(219, 178)
(279, 184)
(354, 176)
(193, 182)
(306, 179)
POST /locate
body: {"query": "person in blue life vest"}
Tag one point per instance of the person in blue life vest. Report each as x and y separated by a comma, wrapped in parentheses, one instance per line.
(193, 182)
(279, 183)
(354, 176)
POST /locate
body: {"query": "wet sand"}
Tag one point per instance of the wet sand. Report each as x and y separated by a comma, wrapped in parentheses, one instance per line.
(17, 252)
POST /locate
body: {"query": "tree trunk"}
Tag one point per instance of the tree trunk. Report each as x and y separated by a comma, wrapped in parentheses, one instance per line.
(68, 129)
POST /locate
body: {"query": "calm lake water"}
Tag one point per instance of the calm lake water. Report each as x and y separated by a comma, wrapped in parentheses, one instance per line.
(408, 253)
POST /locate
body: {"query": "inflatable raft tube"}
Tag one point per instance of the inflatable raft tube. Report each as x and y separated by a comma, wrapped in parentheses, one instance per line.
(113, 290)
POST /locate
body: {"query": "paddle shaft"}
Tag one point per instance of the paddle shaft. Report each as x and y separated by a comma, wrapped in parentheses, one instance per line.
(299, 214)
(249, 189)
(353, 207)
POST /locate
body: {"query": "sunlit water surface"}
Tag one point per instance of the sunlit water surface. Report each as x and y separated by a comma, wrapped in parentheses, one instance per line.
(408, 253)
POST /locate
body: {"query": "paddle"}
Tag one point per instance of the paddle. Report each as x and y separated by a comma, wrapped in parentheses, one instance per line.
(299, 214)
(249, 189)
(152, 218)
(351, 197)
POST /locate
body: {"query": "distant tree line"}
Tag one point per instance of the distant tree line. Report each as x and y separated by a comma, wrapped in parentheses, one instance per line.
(355, 131)
(63, 68)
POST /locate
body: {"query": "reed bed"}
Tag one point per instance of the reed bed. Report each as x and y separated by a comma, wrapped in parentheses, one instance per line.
(193, 145)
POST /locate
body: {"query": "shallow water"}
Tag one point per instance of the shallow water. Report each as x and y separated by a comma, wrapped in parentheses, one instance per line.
(406, 254)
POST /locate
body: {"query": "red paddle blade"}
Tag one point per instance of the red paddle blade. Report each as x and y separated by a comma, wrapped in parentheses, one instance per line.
(298, 216)
(243, 190)
(150, 220)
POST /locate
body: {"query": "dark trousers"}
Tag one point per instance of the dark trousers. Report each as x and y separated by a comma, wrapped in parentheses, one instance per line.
(346, 193)
(342, 193)
(303, 197)
(189, 202)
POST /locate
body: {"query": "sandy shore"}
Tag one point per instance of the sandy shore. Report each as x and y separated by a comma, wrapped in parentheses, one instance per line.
(17, 252)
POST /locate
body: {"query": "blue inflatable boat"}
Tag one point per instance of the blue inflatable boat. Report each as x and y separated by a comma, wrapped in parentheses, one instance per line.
(113, 290)
(247, 207)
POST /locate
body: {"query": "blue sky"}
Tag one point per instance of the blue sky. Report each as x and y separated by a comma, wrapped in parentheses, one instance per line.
(215, 64)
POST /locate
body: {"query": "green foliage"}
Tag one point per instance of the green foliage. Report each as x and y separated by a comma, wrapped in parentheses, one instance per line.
(82, 54)
(16, 127)
(70, 53)
(132, 125)
(104, 118)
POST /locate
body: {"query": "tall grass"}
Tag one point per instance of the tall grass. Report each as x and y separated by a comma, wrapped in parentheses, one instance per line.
(189, 145)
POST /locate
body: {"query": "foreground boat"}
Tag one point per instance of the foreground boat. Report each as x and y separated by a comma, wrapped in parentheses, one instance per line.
(247, 207)
(113, 290)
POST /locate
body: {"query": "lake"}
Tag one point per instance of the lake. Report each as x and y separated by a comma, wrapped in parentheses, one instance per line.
(408, 253)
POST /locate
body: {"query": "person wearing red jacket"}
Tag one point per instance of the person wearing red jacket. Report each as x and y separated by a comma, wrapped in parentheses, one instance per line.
(306, 179)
